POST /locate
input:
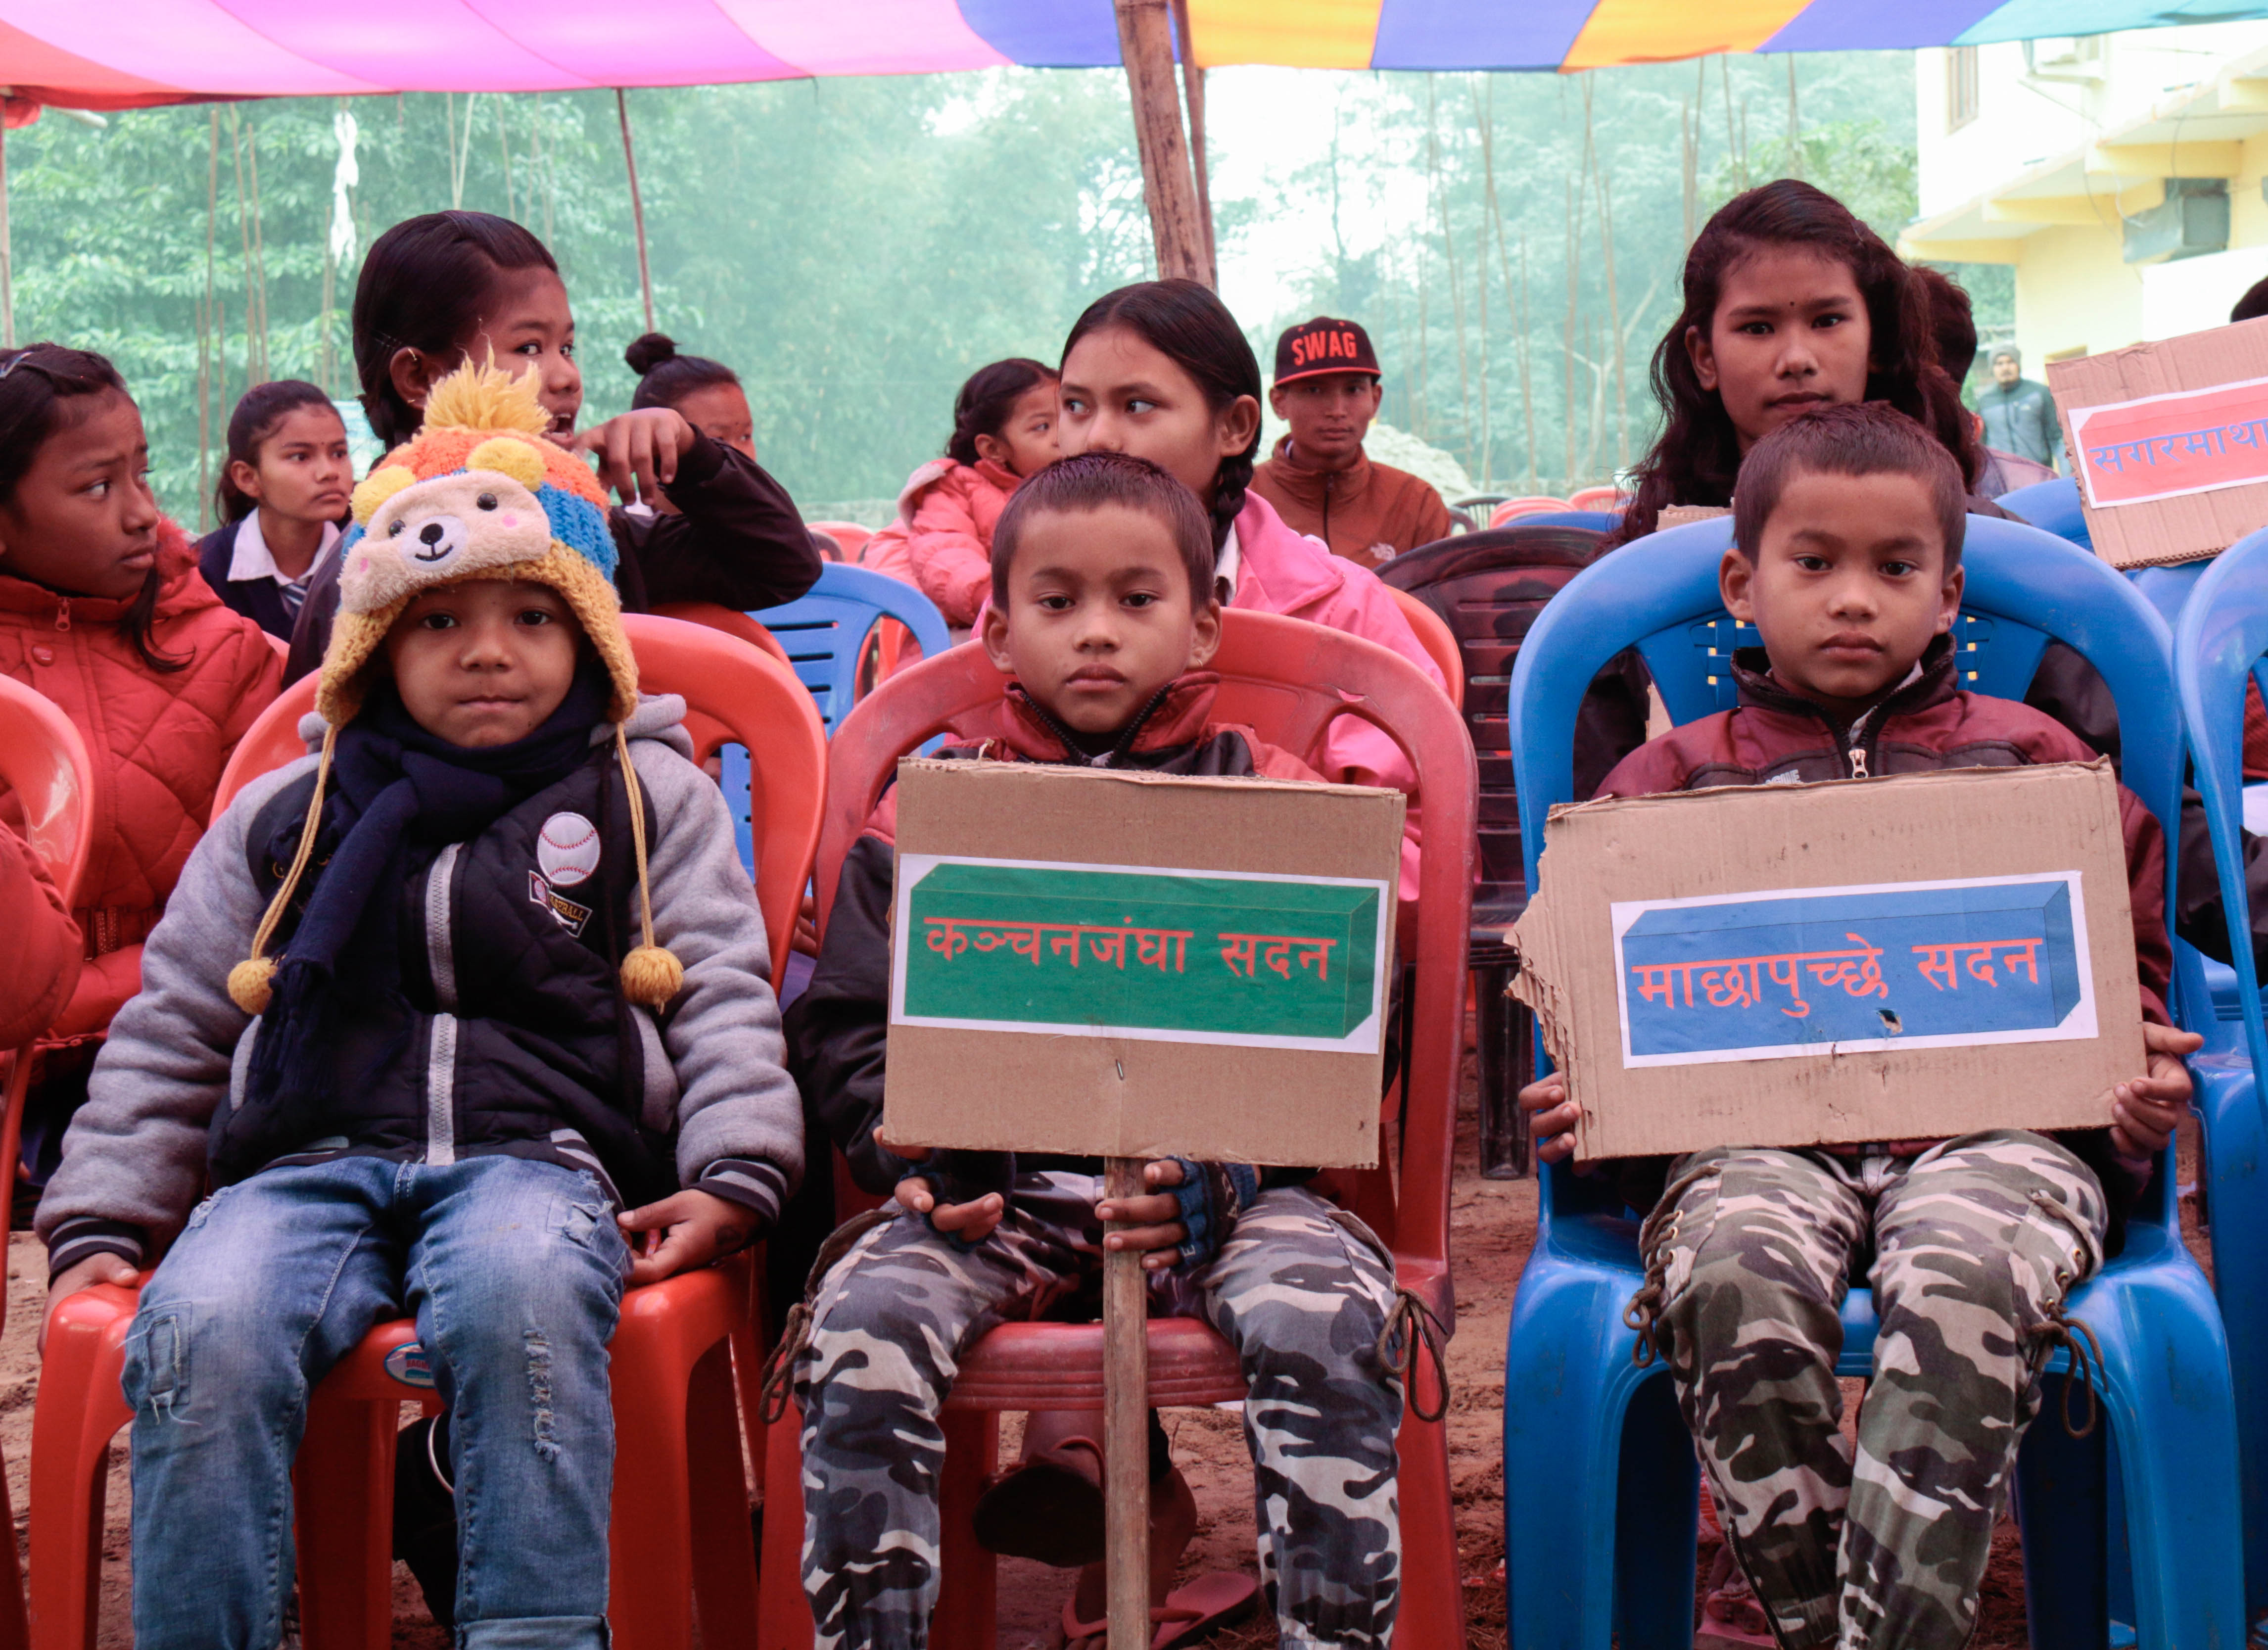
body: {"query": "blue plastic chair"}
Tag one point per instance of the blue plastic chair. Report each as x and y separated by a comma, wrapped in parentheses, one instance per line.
(2221, 636)
(2051, 506)
(825, 631)
(1600, 1473)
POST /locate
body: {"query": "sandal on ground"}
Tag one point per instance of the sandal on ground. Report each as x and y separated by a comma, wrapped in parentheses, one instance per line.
(1188, 1614)
(1046, 1508)
(1731, 1613)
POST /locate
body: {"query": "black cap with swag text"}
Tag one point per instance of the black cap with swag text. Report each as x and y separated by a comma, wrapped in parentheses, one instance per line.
(1324, 345)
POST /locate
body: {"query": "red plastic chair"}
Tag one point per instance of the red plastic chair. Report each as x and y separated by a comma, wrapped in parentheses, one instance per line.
(1598, 498)
(680, 1514)
(849, 534)
(1271, 668)
(1533, 505)
(43, 765)
(731, 621)
(1439, 641)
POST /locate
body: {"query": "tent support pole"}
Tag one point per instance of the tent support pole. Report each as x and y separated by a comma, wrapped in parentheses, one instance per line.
(7, 251)
(1146, 41)
(638, 206)
(1193, 87)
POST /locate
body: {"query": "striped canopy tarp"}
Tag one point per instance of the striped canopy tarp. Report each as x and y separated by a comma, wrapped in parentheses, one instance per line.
(115, 53)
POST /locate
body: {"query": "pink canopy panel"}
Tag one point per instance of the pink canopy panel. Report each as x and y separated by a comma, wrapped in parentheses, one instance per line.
(111, 53)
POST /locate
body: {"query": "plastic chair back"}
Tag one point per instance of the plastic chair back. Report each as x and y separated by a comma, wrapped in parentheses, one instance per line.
(825, 631)
(849, 536)
(2052, 507)
(732, 620)
(1434, 636)
(733, 696)
(1272, 672)
(1607, 498)
(1513, 510)
(1489, 587)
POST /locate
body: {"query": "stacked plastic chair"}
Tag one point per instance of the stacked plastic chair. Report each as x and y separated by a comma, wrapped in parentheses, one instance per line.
(681, 1529)
(2218, 646)
(1600, 1474)
(1273, 671)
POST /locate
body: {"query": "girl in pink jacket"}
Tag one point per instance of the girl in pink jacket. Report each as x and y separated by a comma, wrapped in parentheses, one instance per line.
(1161, 370)
(1003, 428)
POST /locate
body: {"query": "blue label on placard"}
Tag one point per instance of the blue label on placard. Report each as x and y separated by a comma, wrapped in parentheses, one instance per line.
(1785, 972)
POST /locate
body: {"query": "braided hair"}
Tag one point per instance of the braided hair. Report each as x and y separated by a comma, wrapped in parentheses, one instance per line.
(1698, 455)
(35, 382)
(1186, 322)
(985, 401)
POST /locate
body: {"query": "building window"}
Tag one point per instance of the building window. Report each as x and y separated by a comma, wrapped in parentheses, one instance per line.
(1960, 87)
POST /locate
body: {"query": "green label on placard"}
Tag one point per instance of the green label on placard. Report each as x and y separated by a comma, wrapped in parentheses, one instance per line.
(1182, 955)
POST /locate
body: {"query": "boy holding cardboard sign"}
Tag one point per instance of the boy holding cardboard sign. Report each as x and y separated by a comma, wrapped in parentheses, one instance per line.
(1848, 528)
(1102, 613)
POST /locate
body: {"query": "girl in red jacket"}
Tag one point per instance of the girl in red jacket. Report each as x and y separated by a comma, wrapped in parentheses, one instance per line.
(1003, 428)
(102, 610)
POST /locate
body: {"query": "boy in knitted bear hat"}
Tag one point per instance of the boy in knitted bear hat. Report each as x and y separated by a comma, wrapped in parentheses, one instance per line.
(502, 976)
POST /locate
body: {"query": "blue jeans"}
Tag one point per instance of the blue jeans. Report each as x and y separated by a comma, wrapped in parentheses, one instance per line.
(514, 1272)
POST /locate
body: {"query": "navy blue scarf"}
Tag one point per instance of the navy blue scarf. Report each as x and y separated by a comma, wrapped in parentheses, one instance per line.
(392, 783)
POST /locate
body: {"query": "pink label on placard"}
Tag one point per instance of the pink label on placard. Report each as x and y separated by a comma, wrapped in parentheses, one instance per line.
(2163, 447)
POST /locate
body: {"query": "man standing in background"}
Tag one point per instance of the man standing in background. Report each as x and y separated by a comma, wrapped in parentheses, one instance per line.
(1319, 479)
(2020, 414)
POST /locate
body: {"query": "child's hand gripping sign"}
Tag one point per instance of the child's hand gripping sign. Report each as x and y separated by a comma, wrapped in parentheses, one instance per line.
(1143, 969)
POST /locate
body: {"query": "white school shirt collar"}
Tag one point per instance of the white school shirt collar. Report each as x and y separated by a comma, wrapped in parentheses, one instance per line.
(1225, 566)
(253, 559)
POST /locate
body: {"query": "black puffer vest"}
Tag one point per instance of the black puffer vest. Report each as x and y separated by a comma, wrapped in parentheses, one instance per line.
(509, 1032)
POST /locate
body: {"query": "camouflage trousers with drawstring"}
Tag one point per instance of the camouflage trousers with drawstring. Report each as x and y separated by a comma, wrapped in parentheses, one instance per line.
(1976, 1244)
(1300, 1289)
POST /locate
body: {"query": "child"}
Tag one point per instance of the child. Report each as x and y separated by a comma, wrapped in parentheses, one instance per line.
(1328, 388)
(448, 287)
(706, 394)
(1161, 370)
(1102, 613)
(500, 951)
(101, 609)
(1003, 429)
(1792, 304)
(283, 491)
(1848, 531)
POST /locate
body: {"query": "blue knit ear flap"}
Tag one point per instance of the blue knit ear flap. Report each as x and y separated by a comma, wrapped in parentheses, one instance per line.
(579, 525)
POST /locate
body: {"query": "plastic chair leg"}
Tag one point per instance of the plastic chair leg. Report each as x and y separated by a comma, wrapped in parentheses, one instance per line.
(2234, 1178)
(2061, 1503)
(723, 1554)
(1657, 1522)
(77, 1411)
(783, 1612)
(649, 1536)
(2172, 1409)
(967, 1613)
(1432, 1611)
(343, 1498)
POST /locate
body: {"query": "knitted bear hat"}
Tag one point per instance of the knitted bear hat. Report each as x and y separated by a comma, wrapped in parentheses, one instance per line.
(477, 493)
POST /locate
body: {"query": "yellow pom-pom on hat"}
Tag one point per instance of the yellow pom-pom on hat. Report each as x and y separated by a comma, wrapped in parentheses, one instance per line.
(379, 485)
(509, 455)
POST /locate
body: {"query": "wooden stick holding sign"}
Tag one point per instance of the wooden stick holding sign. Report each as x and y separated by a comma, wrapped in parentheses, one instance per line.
(1092, 962)
(1125, 1424)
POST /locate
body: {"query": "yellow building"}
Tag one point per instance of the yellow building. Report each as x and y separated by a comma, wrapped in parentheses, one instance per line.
(2124, 177)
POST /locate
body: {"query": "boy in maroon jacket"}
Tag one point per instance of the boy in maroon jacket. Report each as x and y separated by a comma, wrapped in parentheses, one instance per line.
(1848, 528)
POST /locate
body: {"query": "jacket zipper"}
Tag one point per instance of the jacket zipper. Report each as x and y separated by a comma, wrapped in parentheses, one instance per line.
(1858, 762)
(441, 1052)
(62, 612)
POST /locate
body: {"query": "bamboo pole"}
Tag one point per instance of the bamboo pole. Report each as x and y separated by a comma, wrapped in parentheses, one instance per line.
(1527, 396)
(7, 244)
(638, 206)
(207, 313)
(1614, 315)
(1794, 129)
(543, 166)
(1193, 90)
(258, 246)
(1456, 272)
(504, 146)
(1125, 1425)
(1146, 42)
(1732, 141)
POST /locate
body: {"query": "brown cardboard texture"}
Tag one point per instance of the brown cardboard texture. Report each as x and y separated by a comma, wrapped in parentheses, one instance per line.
(1899, 959)
(2170, 442)
(1139, 965)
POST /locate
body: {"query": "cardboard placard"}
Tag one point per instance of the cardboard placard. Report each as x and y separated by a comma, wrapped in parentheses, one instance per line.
(1898, 959)
(1139, 965)
(2170, 442)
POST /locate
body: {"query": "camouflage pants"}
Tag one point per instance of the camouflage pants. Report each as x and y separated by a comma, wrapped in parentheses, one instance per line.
(1301, 1291)
(1975, 1243)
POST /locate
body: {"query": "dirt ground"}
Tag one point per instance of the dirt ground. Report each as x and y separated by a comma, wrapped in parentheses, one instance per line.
(1491, 1227)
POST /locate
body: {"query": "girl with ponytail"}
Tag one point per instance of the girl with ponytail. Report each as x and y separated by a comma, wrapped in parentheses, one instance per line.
(1003, 428)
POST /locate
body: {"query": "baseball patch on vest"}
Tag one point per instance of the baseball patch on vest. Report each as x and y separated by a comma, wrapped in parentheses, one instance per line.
(567, 849)
(571, 917)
